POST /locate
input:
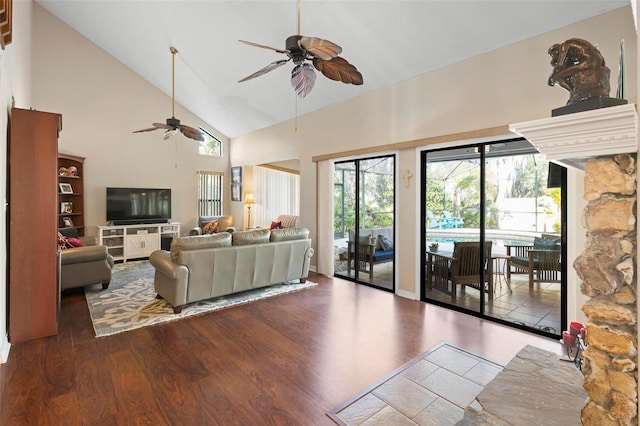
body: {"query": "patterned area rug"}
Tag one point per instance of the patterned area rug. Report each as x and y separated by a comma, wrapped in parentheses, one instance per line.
(130, 301)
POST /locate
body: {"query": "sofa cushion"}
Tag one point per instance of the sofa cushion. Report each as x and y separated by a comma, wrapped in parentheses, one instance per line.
(254, 236)
(223, 239)
(383, 255)
(211, 227)
(286, 234)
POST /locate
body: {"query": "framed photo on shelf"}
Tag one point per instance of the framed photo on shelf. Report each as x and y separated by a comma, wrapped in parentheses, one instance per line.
(236, 175)
(66, 207)
(236, 192)
(67, 222)
(65, 188)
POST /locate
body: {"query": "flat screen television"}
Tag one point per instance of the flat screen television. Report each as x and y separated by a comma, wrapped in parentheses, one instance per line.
(128, 206)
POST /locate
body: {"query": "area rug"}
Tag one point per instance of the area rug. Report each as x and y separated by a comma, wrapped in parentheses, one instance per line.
(434, 388)
(130, 301)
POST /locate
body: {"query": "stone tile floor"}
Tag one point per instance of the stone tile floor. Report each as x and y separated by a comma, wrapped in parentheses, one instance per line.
(433, 389)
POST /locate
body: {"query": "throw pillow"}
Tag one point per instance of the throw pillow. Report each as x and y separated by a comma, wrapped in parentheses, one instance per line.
(69, 232)
(63, 242)
(75, 242)
(275, 225)
(385, 242)
(211, 227)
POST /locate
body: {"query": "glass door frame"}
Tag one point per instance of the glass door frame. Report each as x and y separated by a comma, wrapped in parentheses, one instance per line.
(357, 226)
(481, 149)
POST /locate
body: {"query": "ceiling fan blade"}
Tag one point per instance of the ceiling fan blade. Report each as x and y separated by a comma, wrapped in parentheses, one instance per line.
(339, 69)
(272, 66)
(156, 126)
(323, 49)
(191, 133)
(262, 46)
(303, 77)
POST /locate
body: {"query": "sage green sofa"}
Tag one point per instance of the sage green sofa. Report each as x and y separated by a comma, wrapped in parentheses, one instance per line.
(206, 266)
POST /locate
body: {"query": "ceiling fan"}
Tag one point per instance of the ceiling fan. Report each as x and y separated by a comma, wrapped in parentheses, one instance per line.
(173, 124)
(323, 54)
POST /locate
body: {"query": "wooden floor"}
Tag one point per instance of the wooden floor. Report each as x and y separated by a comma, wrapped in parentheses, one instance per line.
(284, 360)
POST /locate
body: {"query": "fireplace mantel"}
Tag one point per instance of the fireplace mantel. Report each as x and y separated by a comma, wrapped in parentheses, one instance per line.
(573, 138)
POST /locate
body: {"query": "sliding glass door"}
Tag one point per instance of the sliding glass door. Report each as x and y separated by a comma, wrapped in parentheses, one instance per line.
(364, 232)
(495, 213)
(452, 220)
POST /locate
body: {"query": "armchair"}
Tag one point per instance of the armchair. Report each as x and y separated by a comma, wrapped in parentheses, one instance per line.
(540, 261)
(452, 221)
(288, 221)
(374, 246)
(462, 267)
(225, 224)
(81, 266)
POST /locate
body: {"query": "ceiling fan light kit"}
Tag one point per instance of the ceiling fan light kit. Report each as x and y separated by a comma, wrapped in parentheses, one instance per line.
(308, 53)
(173, 125)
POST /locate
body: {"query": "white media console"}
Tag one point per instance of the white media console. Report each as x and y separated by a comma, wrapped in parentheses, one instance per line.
(126, 242)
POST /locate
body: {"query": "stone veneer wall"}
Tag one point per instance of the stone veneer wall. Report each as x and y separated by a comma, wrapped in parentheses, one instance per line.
(607, 269)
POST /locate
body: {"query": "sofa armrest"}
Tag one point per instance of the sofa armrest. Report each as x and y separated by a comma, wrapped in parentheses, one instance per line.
(196, 230)
(161, 261)
(83, 254)
(170, 280)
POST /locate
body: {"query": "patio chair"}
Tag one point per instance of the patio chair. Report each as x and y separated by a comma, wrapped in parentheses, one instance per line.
(435, 223)
(540, 261)
(452, 221)
(446, 272)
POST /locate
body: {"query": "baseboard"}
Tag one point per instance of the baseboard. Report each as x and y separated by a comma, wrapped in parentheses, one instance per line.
(312, 268)
(406, 294)
(5, 346)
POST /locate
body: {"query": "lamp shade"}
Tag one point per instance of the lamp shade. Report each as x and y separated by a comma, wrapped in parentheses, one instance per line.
(248, 199)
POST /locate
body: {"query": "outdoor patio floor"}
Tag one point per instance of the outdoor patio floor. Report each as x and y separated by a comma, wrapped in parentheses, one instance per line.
(538, 308)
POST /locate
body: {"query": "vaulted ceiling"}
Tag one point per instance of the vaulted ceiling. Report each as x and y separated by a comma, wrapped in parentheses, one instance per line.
(388, 41)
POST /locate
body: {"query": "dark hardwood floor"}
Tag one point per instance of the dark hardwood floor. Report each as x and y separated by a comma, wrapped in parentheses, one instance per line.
(284, 360)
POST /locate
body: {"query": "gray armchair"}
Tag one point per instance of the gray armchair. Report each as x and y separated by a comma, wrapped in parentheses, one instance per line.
(81, 266)
(225, 223)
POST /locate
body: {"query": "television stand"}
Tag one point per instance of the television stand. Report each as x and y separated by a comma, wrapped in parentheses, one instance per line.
(126, 242)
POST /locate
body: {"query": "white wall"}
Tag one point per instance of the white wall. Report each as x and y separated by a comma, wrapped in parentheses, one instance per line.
(15, 81)
(102, 102)
(504, 86)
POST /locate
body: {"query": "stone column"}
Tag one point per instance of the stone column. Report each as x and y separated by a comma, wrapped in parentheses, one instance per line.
(607, 268)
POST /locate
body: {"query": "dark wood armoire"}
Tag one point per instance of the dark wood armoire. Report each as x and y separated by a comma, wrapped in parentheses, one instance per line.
(33, 224)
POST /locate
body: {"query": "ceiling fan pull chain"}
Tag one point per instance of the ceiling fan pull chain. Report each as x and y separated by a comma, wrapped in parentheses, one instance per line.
(295, 128)
(175, 160)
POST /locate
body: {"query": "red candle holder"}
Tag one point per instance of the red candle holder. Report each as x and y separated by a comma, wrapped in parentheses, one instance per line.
(568, 339)
(575, 327)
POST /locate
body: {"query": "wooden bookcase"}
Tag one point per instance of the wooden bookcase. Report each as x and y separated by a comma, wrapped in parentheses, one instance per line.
(74, 216)
(33, 259)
